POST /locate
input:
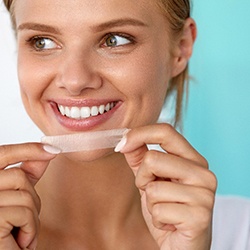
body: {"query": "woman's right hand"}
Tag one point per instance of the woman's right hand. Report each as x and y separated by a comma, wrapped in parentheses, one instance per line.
(19, 202)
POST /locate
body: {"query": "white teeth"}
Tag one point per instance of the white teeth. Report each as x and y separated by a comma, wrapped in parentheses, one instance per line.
(107, 107)
(84, 112)
(61, 109)
(94, 111)
(101, 109)
(67, 111)
(75, 113)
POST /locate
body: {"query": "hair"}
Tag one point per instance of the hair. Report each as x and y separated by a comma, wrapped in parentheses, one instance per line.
(176, 11)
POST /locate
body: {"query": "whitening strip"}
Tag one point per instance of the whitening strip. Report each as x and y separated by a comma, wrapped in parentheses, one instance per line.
(86, 141)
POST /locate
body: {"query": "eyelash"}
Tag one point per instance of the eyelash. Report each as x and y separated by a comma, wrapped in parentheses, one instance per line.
(32, 42)
(131, 40)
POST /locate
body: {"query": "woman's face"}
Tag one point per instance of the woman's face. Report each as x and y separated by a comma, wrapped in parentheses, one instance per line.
(92, 65)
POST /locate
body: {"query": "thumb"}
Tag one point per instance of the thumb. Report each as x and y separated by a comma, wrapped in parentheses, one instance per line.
(134, 156)
(35, 168)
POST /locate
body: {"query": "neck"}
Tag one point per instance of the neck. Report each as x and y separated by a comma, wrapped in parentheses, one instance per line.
(89, 193)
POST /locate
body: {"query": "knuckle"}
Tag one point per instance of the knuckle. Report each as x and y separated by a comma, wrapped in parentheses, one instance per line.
(147, 169)
(204, 162)
(19, 177)
(203, 217)
(156, 212)
(168, 130)
(207, 198)
(147, 158)
(150, 159)
(27, 213)
(3, 150)
(27, 198)
(167, 127)
(211, 180)
(5, 154)
(151, 191)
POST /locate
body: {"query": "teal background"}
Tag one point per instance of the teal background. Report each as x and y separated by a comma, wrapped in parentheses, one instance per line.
(217, 119)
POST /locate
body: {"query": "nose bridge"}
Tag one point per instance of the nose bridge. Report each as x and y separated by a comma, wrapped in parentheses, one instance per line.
(78, 71)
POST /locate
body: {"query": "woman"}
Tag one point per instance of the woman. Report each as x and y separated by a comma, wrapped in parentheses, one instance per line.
(97, 65)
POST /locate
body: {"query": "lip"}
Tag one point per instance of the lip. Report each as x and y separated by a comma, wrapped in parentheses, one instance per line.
(86, 123)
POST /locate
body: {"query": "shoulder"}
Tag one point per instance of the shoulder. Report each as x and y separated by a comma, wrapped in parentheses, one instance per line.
(231, 223)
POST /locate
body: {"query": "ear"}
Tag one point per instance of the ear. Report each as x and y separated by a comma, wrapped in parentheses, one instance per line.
(184, 48)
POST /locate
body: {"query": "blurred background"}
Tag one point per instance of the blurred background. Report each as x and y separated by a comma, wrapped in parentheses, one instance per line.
(217, 117)
(217, 120)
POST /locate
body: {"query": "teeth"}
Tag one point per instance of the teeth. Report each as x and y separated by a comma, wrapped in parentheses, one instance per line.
(101, 109)
(94, 111)
(85, 112)
(75, 113)
(107, 107)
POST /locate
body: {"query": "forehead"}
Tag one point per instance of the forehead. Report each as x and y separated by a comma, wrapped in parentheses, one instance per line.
(86, 11)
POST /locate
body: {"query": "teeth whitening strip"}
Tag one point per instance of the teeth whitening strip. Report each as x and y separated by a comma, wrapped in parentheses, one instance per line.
(85, 141)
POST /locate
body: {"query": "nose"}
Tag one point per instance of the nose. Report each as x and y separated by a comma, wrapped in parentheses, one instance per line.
(78, 73)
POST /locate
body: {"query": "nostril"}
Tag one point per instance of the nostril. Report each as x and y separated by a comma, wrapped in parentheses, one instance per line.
(77, 75)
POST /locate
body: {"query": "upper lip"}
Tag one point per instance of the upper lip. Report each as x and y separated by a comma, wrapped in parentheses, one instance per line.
(83, 103)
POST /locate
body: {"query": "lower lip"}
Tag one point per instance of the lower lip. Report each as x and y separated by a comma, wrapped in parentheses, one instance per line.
(83, 124)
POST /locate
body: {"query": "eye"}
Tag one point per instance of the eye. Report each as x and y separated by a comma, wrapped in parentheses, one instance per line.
(117, 40)
(42, 43)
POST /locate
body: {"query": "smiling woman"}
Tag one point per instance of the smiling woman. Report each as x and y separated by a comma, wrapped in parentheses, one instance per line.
(110, 67)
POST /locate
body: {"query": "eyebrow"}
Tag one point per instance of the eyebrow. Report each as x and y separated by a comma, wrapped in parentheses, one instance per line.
(38, 27)
(118, 23)
(97, 28)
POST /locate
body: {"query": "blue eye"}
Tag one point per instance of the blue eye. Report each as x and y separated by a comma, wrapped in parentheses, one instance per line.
(42, 43)
(116, 40)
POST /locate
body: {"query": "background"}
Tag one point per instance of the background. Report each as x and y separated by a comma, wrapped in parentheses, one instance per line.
(217, 117)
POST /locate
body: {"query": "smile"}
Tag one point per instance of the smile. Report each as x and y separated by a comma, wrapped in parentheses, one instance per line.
(85, 112)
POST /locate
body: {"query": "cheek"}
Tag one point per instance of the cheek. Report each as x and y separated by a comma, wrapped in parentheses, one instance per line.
(32, 79)
(144, 82)
(33, 82)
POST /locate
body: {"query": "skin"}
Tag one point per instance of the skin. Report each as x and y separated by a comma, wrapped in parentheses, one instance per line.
(88, 200)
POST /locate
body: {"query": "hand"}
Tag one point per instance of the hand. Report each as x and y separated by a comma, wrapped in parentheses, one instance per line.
(177, 189)
(19, 202)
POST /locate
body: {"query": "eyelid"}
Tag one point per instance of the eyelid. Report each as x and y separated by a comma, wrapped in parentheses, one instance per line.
(130, 38)
(32, 40)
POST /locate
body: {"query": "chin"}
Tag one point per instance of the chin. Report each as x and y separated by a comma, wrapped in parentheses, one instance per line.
(89, 156)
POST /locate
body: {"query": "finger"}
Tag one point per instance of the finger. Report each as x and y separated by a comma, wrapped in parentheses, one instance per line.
(167, 137)
(181, 216)
(136, 157)
(34, 170)
(16, 153)
(16, 179)
(157, 164)
(19, 217)
(32, 155)
(169, 192)
(19, 198)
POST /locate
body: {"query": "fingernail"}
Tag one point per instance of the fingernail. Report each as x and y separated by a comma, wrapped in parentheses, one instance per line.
(52, 150)
(121, 144)
(33, 245)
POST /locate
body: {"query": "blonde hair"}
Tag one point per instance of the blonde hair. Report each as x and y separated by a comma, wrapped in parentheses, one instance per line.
(176, 12)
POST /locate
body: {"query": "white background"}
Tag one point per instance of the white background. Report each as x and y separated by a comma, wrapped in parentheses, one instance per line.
(15, 125)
